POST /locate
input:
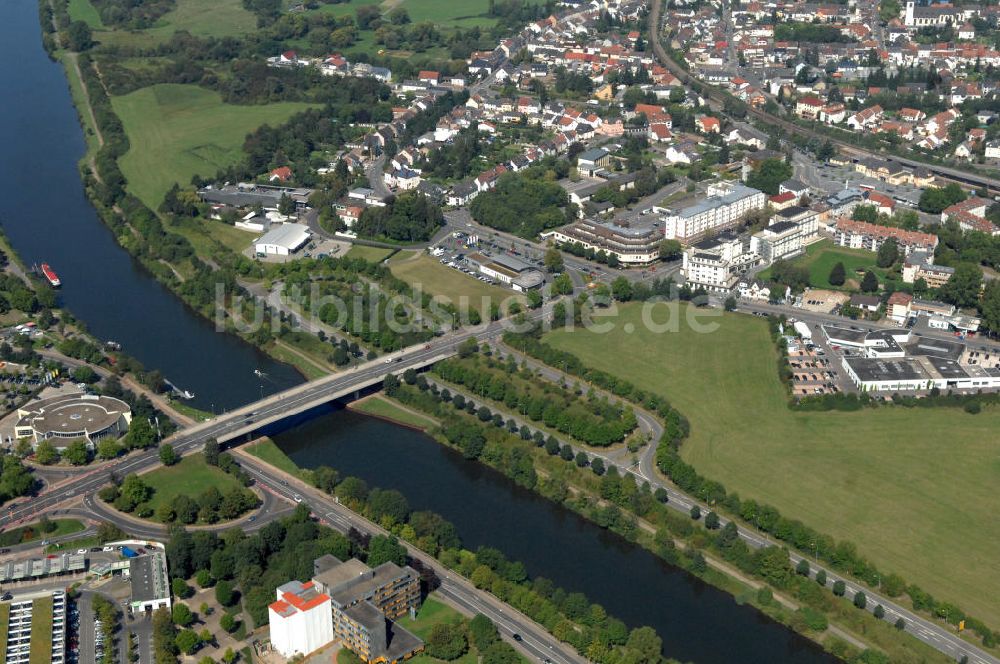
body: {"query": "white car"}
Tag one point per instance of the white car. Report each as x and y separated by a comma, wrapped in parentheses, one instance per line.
(108, 548)
(297, 498)
(81, 551)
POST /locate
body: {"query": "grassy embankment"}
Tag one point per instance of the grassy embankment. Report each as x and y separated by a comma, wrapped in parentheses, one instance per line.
(380, 406)
(31, 532)
(892, 480)
(267, 451)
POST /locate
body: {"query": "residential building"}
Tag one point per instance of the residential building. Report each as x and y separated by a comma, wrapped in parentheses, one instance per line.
(727, 204)
(716, 263)
(364, 601)
(920, 265)
(970, 215)
(300, 620)
(631, 246)
(897, 307)
(863, 235)
(782, 239)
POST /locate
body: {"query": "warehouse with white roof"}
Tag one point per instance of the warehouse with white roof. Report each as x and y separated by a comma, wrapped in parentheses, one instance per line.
(282, 240)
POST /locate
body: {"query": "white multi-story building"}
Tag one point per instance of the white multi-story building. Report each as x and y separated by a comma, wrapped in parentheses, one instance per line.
(716, 264)
(790, 232)
(301, 619)
(631, 246)
(726, 205)
(45, 610)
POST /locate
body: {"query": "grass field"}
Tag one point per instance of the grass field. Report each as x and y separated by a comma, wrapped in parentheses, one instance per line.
(447, 13)
(30, 532)
(40, 648)
(268, 452)
(218, 18)
(823, 255)
(207, 235)
(913, 489)
(177, 131)
(435, 612)
(380, 406)
(370, 254)
(82, 10)
(190, 476)
(445, 283)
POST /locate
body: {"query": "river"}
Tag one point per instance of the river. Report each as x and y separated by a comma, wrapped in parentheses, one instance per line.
(48, 219)
(698, 622)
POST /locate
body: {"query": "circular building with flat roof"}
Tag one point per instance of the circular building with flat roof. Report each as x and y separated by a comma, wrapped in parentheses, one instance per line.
(68, 417)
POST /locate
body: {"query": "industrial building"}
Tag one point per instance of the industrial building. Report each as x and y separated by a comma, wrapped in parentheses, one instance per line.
(149, 582)
(508, 270)
(282, 240)
(33, 569)
(726, 205)
(247, 194)
(65, 418)
(33, 628)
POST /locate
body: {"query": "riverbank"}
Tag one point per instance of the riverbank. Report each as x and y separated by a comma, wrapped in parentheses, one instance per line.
(788, 602)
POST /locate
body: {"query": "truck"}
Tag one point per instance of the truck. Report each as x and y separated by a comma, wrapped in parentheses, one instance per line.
(802, 329)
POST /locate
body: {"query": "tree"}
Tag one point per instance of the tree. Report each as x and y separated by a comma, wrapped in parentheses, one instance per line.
(730, 304)
(500, 652)
(860, 600)
(934, 200)
(382, 549)
(879, 612)
(553, 260)
(227, 622)
(46, 454)
(962, 289)
(597, 466)
(900, 624)
(76, 452)
(802, 569)
(446, 642)
(838, 275)
(712, 521)
(839, 588)
(482, 631)
(79, 36)
(869, 284)
(224, 594)
(168, 456)
(695, 512)
(140, 434)
(188, 641)
(180, 588)
(181, 614)
(108, 448)
(769, 175)
(670, 250)
(821, 577)
(645, 646)
(84, 374)
(888, 253)
(211, 452)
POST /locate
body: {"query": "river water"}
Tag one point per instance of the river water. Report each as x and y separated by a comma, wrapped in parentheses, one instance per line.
(698, 622)
(48, 219)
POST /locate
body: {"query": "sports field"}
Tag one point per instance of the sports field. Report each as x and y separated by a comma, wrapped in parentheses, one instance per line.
(177, 131)
(447, 283)
(820, 258)
(915, 490)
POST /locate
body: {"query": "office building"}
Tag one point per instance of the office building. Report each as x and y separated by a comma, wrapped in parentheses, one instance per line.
(66, 418)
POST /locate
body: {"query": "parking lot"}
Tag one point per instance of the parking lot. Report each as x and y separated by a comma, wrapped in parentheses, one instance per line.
(453, 250)
(812, 373)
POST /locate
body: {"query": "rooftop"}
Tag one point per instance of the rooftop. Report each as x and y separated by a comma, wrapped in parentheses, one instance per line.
(898, 369)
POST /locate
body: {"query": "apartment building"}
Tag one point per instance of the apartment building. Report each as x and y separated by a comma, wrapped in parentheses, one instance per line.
(863, 235)
(920, 265)
(630, 245)
(717, 263)
(726, 205)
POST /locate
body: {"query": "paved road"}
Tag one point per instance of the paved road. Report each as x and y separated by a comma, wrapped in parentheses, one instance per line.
(535, 641)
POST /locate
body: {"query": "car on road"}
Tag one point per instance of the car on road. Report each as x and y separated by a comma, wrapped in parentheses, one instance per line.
(81, 551)
(517, 637)
(108, 548)
(388, 360)
(297, 498)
